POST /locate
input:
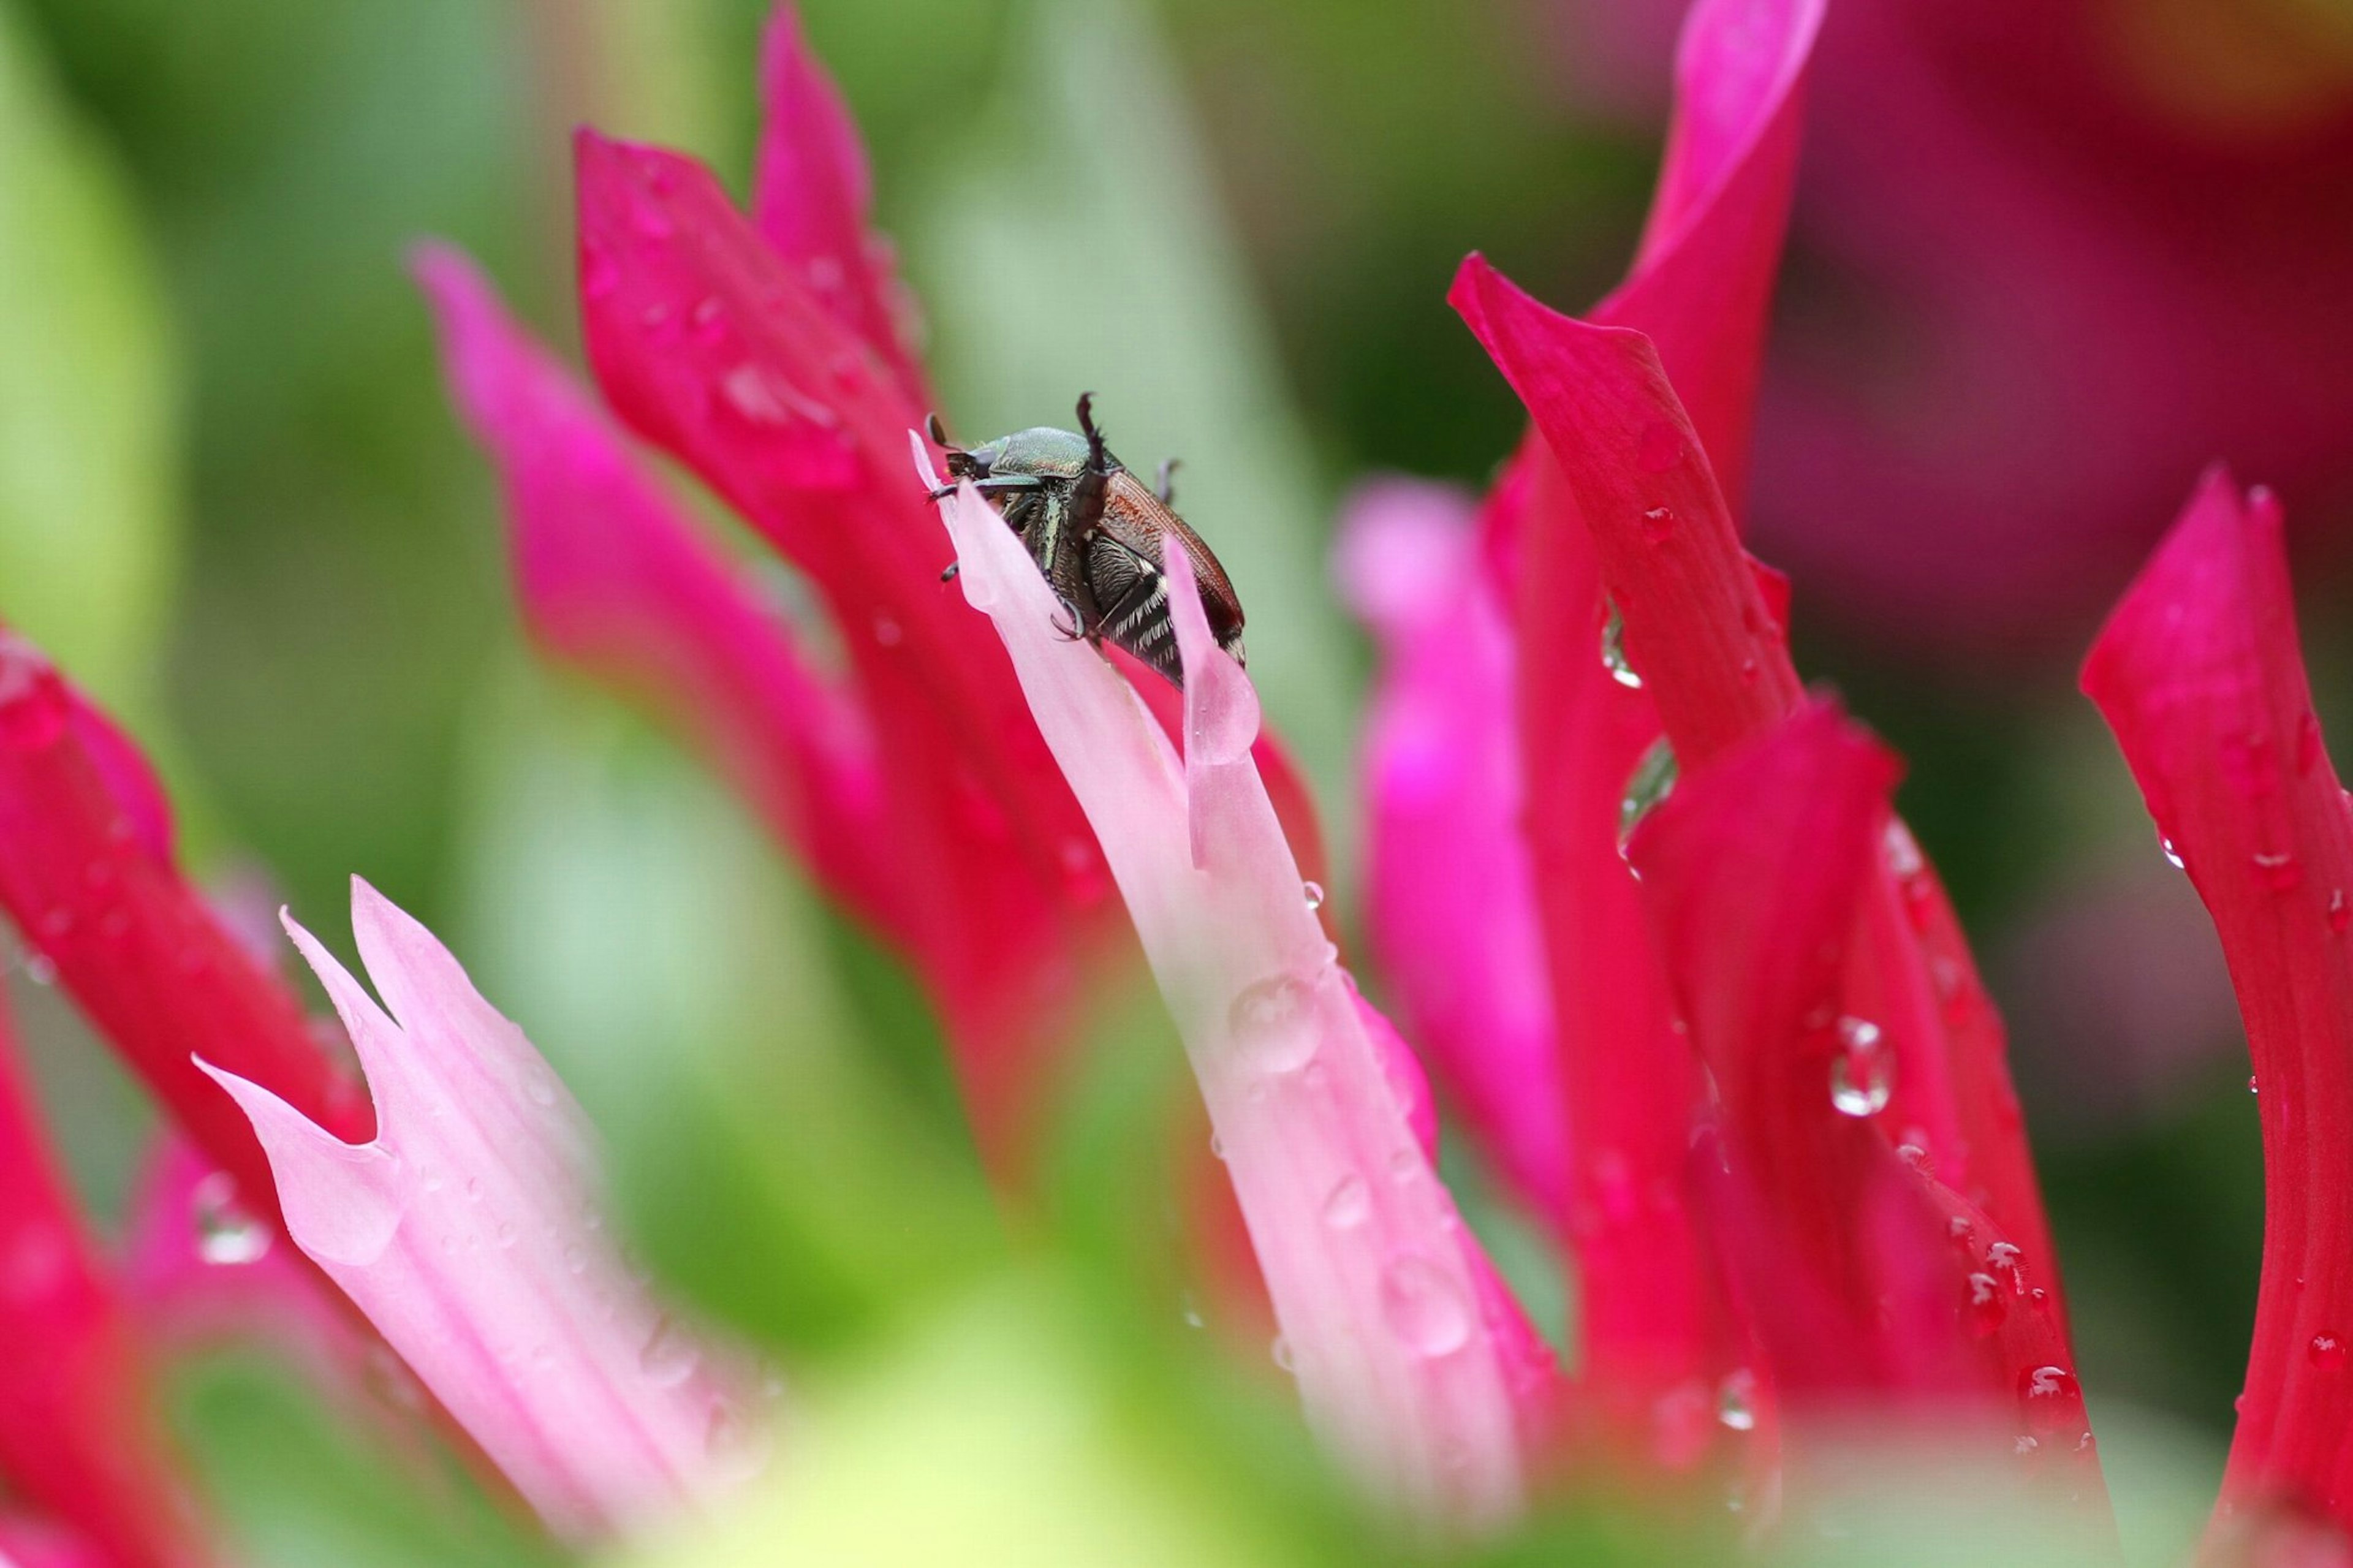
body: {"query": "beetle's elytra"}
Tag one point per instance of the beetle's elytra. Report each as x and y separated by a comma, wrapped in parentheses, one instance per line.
(1097, 534)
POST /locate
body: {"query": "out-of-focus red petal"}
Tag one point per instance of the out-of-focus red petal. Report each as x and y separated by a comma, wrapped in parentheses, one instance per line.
(711, 347)
(2198, 673)
(1704, 275)
(76, 1436)
(141, 953)
(811, 196)
(614, 578)
(1450, 897)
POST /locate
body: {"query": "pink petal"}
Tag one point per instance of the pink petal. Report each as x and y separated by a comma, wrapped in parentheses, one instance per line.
(812, 196)
(615, 579)
(1382, 1296)
(1449, 898)
(2200, 674)
(469, 1233)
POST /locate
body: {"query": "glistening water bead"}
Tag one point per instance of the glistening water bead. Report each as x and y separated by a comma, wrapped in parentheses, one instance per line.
(1862, 1077)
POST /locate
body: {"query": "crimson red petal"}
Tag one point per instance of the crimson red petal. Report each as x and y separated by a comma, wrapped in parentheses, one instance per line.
(614, 579)
(811, 196)
(1651, 1315)
(76, 1433)
(140, 951)
(709, 347)
(2200, 674)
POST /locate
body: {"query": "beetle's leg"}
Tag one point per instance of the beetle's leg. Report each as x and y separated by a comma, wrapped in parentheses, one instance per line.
(950, 575)
(1092, 491)
(1162, 486)
(1069, 630)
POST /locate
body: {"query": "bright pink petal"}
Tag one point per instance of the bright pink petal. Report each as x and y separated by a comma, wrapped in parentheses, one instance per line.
(1449, 898)
(614, 578)
(811, 196)
(143, 954)
(2200, 674)
(1701, 283)
(469, 1232)
(1382, 1296)
(76, 1435)
(28, 1542)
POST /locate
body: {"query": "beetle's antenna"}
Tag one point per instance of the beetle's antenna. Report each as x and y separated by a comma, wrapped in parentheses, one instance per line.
(1098, 455)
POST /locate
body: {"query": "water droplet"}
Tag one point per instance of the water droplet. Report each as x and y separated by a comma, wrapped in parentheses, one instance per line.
(2340, 911)
(474, 1189)
(1424, 1307)
(2054, 1400)
(40, 969)
(706, 315)
(1281, 1351)
(1349, 1204)
(1613, 649)
(2251, 1083)
(2002, 1258)
(670, 1355)
(1958, 1227)
(1988, 1304)
(2327, 1352)
(2279, 871)
(2025, 1445)
(2307, 741)
(1216, 1146)
(1659, 524)
(225, 1234)
(1863, 1077)
(2171, 854)
(539, 1085)
(1735, 1401)
(1314, 895)
(1274, 1024)
(1653, 780)
(888, 632)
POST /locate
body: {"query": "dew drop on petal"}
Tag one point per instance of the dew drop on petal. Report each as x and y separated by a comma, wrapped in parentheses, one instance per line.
(224, 1233)
(2307, 741)
(1314, 895)
(1988, 1304)
(1863, 1077)
(1424, 1307)
(1659, 524)
(1735, 1401)
(2327, 1351)
(1281, 1351)
(1653, 780)
(1349, 1204)
(539, 1085)
(2340, 910)
(1613, 649)
(2171, 854)
(1274, 1024)
(2279, 870)
(670, 1354)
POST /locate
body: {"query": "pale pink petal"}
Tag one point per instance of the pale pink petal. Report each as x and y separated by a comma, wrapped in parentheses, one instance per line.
(1450, 907)
(469, 1232)
(1381, 1294)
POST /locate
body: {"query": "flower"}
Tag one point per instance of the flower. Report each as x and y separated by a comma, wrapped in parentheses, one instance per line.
(1642, 895)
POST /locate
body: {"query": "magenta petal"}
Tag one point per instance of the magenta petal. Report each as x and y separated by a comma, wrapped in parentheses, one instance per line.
(811, 196)
(1381, 1293)
(613, 577)
(1451, 898)
(1700, 286)
(469, 1232)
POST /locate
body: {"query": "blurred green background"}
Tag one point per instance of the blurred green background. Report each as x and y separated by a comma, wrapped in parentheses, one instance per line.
(233, 501)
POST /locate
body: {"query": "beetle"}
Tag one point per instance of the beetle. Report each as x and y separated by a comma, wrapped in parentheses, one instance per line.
(1098, 534)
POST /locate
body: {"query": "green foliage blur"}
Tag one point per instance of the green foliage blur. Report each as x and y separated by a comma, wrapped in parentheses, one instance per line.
(234, 501)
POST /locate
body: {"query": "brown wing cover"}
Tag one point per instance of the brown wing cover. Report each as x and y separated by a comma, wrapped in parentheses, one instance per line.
(1137, 519)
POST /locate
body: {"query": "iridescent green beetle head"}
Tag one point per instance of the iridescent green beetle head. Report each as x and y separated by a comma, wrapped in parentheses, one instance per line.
(1042, 452)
